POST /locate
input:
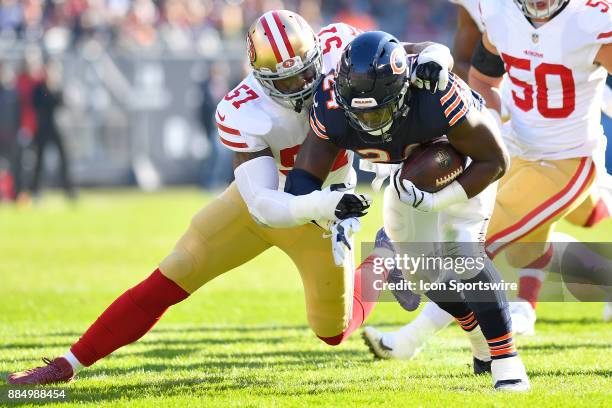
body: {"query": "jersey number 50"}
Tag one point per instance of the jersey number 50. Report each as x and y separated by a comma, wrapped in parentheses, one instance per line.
(542, 71)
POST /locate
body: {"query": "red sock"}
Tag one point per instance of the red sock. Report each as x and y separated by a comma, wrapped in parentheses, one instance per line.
(529, 285)
(128, 318)
(529, 289)
(600, 212)
(364, 300)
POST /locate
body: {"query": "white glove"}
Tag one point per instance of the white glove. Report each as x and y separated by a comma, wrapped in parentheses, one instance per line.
(432, 68)
(424, 201)
(341, 234)
(382, 171)
(335, 202)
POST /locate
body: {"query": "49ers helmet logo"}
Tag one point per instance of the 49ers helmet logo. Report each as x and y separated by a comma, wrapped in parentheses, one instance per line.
(288, 63)
(398, 61)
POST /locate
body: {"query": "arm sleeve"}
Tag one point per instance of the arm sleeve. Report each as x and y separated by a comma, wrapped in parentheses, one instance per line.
(257, 181)
(487, 62)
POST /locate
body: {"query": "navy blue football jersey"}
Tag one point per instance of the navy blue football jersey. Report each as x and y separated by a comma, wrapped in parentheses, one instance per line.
(429, 116)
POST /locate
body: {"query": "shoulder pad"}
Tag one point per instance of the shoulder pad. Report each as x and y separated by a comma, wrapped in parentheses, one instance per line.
(245, 109)
(594, 19)
(341, 29)
(332, 40)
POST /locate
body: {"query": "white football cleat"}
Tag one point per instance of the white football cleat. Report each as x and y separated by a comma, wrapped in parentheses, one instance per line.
(509, 375)
(390, 345)
(523, 317)
(607, 312)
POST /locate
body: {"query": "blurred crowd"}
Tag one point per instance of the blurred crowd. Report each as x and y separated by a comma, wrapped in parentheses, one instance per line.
(29, 101)
(204, 25)
(36, 35)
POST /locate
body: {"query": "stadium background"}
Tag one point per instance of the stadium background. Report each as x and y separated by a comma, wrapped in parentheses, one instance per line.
(140, 79)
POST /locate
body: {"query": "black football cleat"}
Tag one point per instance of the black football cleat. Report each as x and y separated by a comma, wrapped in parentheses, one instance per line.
(481, 367)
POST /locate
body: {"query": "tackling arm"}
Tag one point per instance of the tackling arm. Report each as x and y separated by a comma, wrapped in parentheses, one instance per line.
(418, 48)
(257, 180)
(433, 64)
(479, 138)
(486, 72)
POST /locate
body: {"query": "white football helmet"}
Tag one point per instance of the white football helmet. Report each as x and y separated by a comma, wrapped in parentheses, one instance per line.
(285, 56)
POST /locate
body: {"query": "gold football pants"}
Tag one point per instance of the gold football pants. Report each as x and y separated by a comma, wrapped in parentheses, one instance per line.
(223, 235)
(532, 197)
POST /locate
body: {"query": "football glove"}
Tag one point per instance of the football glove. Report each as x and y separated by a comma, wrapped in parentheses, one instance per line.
(432, 68)
(349, 204)
(333, 203)
(424, 201)
(341, 233)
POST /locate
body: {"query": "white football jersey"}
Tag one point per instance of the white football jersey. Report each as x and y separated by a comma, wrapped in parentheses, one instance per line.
(556, 89)
(248, 120)
(471, 6)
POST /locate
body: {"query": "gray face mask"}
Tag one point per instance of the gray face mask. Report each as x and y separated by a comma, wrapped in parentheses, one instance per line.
(540, 8)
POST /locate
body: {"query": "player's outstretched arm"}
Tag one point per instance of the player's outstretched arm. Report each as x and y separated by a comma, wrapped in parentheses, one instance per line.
(479, 138)
(486, 72)
(466, 38)
(257, 180)
(312, 165)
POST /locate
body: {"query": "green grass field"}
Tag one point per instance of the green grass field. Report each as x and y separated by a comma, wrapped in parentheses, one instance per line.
(243, 339)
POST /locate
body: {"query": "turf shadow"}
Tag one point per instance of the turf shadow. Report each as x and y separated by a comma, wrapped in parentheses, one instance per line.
(581, 321)
(216, 341)
(221, 361)
(560, 373)
(561, 347)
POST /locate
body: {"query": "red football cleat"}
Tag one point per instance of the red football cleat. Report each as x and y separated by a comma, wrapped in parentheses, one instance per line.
(56, 371)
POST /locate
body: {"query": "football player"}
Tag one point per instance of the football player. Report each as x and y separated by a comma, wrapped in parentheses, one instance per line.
(264, 120)
(588, 211)
(367, 106)
(557, 64)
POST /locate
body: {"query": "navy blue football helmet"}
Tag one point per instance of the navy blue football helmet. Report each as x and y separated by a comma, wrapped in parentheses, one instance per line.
(372, 83)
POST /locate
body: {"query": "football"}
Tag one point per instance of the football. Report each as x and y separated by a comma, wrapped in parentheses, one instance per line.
(432, 166)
